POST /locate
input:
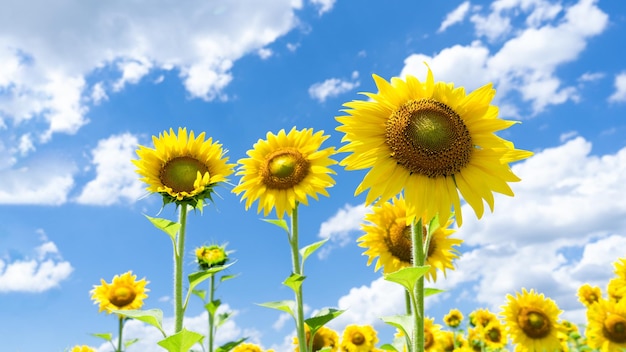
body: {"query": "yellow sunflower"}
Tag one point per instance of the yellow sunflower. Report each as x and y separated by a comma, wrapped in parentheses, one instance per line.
(324, 338)
(616, 288)
(123, 293)
(248, 347)
(532, 322)
(388, 238)
(620, 268)
(432, 141)
(453, 318)
(284, 169)
(606, 325)
(182, 168)
(211, 256)
(431, 335)
(481, 317)
(83, 348)
(494, 335)
(588, 294)
(359, 338)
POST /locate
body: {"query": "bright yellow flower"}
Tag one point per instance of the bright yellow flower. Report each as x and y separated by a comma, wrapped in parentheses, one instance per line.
(494, 335)
(481, 317)
(620, 268)
(606, 325)
(123, 293)
(285, 169)
(388, 238)
(248, 347)
(432, 141)
(453, 318)
(211, 256)
(532, 322)
(588, 295)
(359, 338)
(83, 348)
(324, 337)
(183, 169)
(431, 335)
(616, 288)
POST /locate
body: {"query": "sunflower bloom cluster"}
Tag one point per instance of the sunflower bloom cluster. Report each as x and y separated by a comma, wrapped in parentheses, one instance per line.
(183, 168)
(324, 338)
(124, 292)
(211, 256)
(431, 141)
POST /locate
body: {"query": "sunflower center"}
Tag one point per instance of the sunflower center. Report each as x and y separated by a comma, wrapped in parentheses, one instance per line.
(494, 335)
(614, 328)
(427, 137)
(534, 323)
(122, 296)
(284, 169)
(181, 172)
(399, 242)
(358, 338)
(428, 340)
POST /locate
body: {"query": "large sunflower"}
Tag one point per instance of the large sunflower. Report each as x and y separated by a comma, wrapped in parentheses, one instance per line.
(388, 237)
(285, 169)
(432, 141)
(532, 322)
(182, 168)
(359, 338)
(606, 325)
(123, 293)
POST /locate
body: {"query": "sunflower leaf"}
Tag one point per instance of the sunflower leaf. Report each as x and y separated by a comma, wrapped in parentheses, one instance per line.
(106, 336)
(306, 251)
(432, 291)
(388, 347)
(402, 322)
(278, 222)
(322, 318)
(230, 345)
(130, 342)
(222, 318)
(433, 225)
(294, 281)
(286, 306)
(200, 293)
(408, 277)
(182, 341)
(199, 276)
(169, 227)
(227, 277)
(211, 307)
(152, 317)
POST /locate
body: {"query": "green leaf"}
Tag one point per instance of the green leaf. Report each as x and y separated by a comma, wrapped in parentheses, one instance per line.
(432, 291)
(182, 341)
(408, 277)
(130, 342)
(305, 252)
(107, 336)
(278, 222)
(403, 322)
(199, 276)
(322, 318)
(227, 277)
(388, 347)
(152, 317)
(433, 225)
(200, 293)
(294, 281)
(211, 307)
(230, 345)
(325, 349)
(169, 227)
(222, 318)
(286, 306)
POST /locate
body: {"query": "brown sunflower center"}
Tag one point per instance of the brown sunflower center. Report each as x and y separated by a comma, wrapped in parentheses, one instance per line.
(534, 323)
(358, 338)
(398, 241)
(122, 296)
(181, 172)
(318, 342)
(614, 328)
(429, 339)
(284, 169)
(427, 137)
(494, 335)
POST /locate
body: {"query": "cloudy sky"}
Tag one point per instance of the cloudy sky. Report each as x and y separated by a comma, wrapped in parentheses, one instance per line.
(82, 83)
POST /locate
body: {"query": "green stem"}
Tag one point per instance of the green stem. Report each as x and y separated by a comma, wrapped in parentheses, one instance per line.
(407, 301)
(211, 315)
(179, 251)
(119, 334)
(295, 258)
(419, 259)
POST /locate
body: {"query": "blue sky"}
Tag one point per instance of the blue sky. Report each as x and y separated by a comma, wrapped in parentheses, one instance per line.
(83, 83)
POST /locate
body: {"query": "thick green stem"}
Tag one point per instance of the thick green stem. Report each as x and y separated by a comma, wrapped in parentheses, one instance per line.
(407, 302)
(119, 333)
(179, 251)
(295, 258)
(211, 314)
(419, 258)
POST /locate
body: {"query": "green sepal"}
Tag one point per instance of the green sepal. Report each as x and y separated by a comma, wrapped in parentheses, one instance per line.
(388, 347)
(152, 317)
(130, 342)
(286, 306)
(105, 336)
(199, 276)
(230, 345)
(322, 318)
(222, 318)
(280, 223)
(306, 251)
(432, 291)
(408, 277)
(294, 281)
(200, 293)
(169, 227)
(402, 322)
(182, 341)
(211, 307)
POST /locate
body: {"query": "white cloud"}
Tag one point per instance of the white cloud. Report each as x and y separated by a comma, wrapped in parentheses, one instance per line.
(265, 53)
(115, 179)
(323, 5)
(26, 144)
(339, 228)
(46, 271)
(455, 16)
(332, 87)
(132, 72)
(620, 88)
(47, 182)
(591, 76)
(567, 136)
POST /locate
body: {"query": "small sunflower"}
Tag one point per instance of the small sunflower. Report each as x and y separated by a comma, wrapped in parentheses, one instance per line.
(453, 318)
(359, 338)
(481, 317)
(432, 141)
(123, 293)
(388, 237)
(431, 335)
(248, 347)
(616, 288)
(211, 256)
(447, 341)
(588, 294)
(494, 335)
(183, 168)
(531, 322)
(324, 338)
(83, 348)
(285, 169)
(606, 325)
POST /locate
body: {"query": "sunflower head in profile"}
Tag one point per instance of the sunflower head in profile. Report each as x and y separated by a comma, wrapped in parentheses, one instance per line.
(606, 325)
(454, 318)
(589, 295)
(183, 168)
(82, 348)
(531, 321)
(324, 338)
(123, 293)
(358, 338)
(211, 256)
(388, 238)
(285, 169)
(431, 140)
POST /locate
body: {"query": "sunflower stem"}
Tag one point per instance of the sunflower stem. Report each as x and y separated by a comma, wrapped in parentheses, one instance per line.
(119, 333)
(179, 311)
(407, 301)
(417, 240)
(211, 315)
(295, 258)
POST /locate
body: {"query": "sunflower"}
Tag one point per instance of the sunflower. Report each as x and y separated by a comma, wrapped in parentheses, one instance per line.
(453, 318)
(620, 268)
(494, 335)
(182, 168)
(388, 237)
(359, 338)
(447, 341)
(432, 141)
(211, 256)
(284, 169)
(616, 288)
(123, 293)
(248, 347)
(606, 325)
(324, 338)
(531, 322)
(431, 335)
(481, 317)
(589, 295)
(82, 348)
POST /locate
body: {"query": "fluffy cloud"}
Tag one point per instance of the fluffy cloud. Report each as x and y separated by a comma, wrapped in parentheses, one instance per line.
(340, 227)
(455, 16)
(620, 89)
(332, 87)
(45, 182)
(323, 5)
